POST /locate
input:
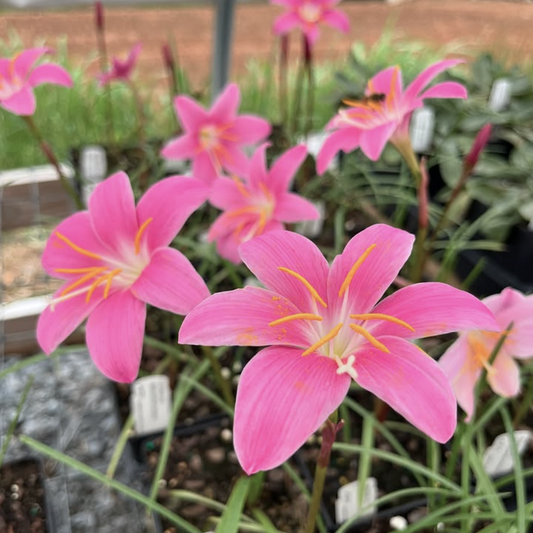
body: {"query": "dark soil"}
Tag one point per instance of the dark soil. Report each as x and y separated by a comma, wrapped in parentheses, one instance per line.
(22, 499)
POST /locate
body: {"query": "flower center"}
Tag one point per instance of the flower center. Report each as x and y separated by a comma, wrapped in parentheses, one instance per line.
(480, 347)
(310, 12)
(209, 137)
(11, 84)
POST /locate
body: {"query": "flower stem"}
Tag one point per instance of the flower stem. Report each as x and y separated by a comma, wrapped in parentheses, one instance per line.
(49, 154)
(102, 48)
(329, 434)
(310, 88)
(222, 384)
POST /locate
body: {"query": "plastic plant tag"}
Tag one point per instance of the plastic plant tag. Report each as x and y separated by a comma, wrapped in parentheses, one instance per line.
(498, 459)
(313, 228)
(347, 502)
(93, 168)
(314, 143)
(500, 95)
(422, 129)
(150, 404)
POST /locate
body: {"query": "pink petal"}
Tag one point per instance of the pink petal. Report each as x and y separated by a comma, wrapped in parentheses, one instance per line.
(248, 129)
(226, 195)
(169, 203)
(264, 254)
(112, 210)
(286, 22)
(50, 73)
(241, 317)
(191, 115)
(311, 33)
(21, 103)
(375, 274)
(292, 207)
(433, 309)
(373, 141)
(258, 168)
(463, 372)
(504, 378)
(228, 244)
(446, 89)
(234, 160)
(204, 169)
(412, 383)
(337, 19)
(133, 56)
(56, 323)
(346, 139)
(5, 68)
(24, 61)
(226, 105)
(115, 332)
(285, 168)
(381, 83)
(426, 76)
(170, 282)
(282, 399)
(58, 254)
(227, 223)
(184, 147)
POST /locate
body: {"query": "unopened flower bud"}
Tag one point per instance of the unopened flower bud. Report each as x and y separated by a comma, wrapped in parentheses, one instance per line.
(99, 15)
(481, 140)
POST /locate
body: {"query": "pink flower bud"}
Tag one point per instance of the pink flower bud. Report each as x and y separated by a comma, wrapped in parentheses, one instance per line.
(482, 138)
(99, 15)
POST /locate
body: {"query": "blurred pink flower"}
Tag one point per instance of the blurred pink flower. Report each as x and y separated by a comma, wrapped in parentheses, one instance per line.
(307, 15)
(214, 139)
(325, 330)
(469, 354)
(115, 259)
(259, 204)
(121, 70)
(384, 113)
(19, 75)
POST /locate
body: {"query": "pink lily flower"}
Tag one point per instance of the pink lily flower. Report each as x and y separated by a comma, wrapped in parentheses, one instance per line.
(384, 113)
(121, 70)
(260, 204)
(326, 330)
(115, 259)
(19, 75)
(214, 139)
(465, 359)
(307, 15)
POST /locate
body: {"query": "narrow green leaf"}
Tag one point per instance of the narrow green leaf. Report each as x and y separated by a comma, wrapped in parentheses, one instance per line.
(229, 522)
(263, 519)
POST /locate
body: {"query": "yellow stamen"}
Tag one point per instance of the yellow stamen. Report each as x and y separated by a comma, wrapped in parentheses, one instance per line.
(242, 211)
(372, 340)
(380, 316)
(94, 272)
(308, 286)
(392, 92)
(75, 270)
(353, 270)
(262, 222)
(110, 277)
(326, 338)
(266, 192)
(139, 235)
(94, 286)
(240, 185)
(297, 316)
(76, 247)
(97, 282)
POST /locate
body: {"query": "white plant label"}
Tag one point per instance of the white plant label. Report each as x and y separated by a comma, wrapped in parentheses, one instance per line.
(498, 459)
(500, 95)
(347, 502)
(422, 129)
(150, 403)
(313, 228)
(93, 163)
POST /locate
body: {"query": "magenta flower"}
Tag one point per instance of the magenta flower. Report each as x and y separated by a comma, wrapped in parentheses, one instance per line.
(115, 259)
(121, 70)
(326, 330)
(214, 139)
(465, 359)
(307, 15)
(261, 203)
(19, 75)
(384, 113)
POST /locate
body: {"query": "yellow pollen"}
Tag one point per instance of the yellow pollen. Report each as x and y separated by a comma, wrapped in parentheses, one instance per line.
(372, 340)
(140, 233)
(387, 318)
(76, 247)
(240, 185)
(326, 338)
(303, 316)
(308, 286)
(353, 270)
(90, 274)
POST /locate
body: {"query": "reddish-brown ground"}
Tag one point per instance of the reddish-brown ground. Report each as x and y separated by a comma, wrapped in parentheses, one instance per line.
(495, 25)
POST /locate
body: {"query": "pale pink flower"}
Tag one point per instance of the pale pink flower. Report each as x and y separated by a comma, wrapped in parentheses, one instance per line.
(326, 330)
(384, 113)
(465, 359)
(115, 259)
(259, 204)
(19, 75)
(307, 15)
(214, 139)
(121, 70)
